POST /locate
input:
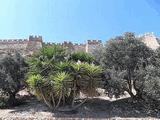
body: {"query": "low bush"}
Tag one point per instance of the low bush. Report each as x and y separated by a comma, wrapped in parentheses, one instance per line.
(59, 82)
(12, 74)
(82, 56)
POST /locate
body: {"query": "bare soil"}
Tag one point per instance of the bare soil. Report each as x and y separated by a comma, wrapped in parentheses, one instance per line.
(97, 108)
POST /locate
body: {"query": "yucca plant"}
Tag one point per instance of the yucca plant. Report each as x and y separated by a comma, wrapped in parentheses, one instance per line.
(38, 85)
(62, 83)
(86, 80)
(44, 61)
(76, 72)
(58, 81)
(53, 90)
(91, 79)
(82, 56)
(63, 66)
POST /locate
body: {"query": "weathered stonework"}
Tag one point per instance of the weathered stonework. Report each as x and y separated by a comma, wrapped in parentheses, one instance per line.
(25, 46)
(150, 40)
(29, 46)
(89, 47)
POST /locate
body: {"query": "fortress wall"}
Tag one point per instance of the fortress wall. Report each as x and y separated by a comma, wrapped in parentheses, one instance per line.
(92, 45)
(150, 40)
(38, 44)
(79, 47)
(24, 46)
(34, 43)
(13, 44)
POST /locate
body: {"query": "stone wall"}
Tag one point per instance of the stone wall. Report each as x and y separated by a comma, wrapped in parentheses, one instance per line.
(92, 45)
(150, 40)
(24, 46)
(28, 46)
(89, 47)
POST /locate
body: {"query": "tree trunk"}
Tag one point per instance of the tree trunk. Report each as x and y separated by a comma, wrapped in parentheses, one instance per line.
(138, 91)
(12, 99)
(70, 98)
(130, 81)
(130, 86)
(131, 94)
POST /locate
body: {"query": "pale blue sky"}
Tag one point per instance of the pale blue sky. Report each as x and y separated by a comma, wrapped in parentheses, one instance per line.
(77, 20)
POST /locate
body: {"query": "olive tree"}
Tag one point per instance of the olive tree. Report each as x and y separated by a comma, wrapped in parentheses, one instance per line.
(122, 58)
(12, 74)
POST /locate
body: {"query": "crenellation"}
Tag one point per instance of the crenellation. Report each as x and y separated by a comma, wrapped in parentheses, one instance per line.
(21, 45)
(92, 45)
(94, 41)
(59, 44)
(99, 41)
(31, 45)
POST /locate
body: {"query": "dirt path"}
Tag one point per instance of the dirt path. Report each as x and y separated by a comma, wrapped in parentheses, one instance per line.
(98, 108)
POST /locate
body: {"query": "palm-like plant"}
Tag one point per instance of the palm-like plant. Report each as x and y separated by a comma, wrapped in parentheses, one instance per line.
(62, 83)
(91, 79)
(76, 71)
(45, 60)
(58, 81)
(82, 56)
(86, 80)
(38, 85)
(63, 66)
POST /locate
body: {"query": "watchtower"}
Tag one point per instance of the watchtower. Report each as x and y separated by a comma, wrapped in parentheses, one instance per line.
(91, 45)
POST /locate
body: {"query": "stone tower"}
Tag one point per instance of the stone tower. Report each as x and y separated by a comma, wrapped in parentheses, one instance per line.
(150, 40)
(91, 45)
(34, 43)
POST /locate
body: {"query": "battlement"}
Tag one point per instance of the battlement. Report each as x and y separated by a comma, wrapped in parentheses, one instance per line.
(31, 38)
(94, 41)
(70, 43)
(76, 44)
(35, 38)
(74, 47)
(13, 41)
(67, 43)
(34, 43)
(49, 44)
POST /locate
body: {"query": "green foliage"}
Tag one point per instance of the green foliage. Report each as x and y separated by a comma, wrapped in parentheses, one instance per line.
(147, 82)
(12, 73)
(54, 52)
(44, 62)
(98, 55)
(2, 104)
(34, 80)
(63, 66)
(82, 56)
(62, 82)
(122, 58)
(92, 79)
(58, 80)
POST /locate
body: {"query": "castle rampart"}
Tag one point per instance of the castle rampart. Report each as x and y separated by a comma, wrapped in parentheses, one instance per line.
(25, 46)
(150, 40)
(34, 43)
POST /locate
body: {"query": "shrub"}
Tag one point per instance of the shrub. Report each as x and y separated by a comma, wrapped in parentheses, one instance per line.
(12, 73)
(124, 57)
(82, 56)
(63, 80)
